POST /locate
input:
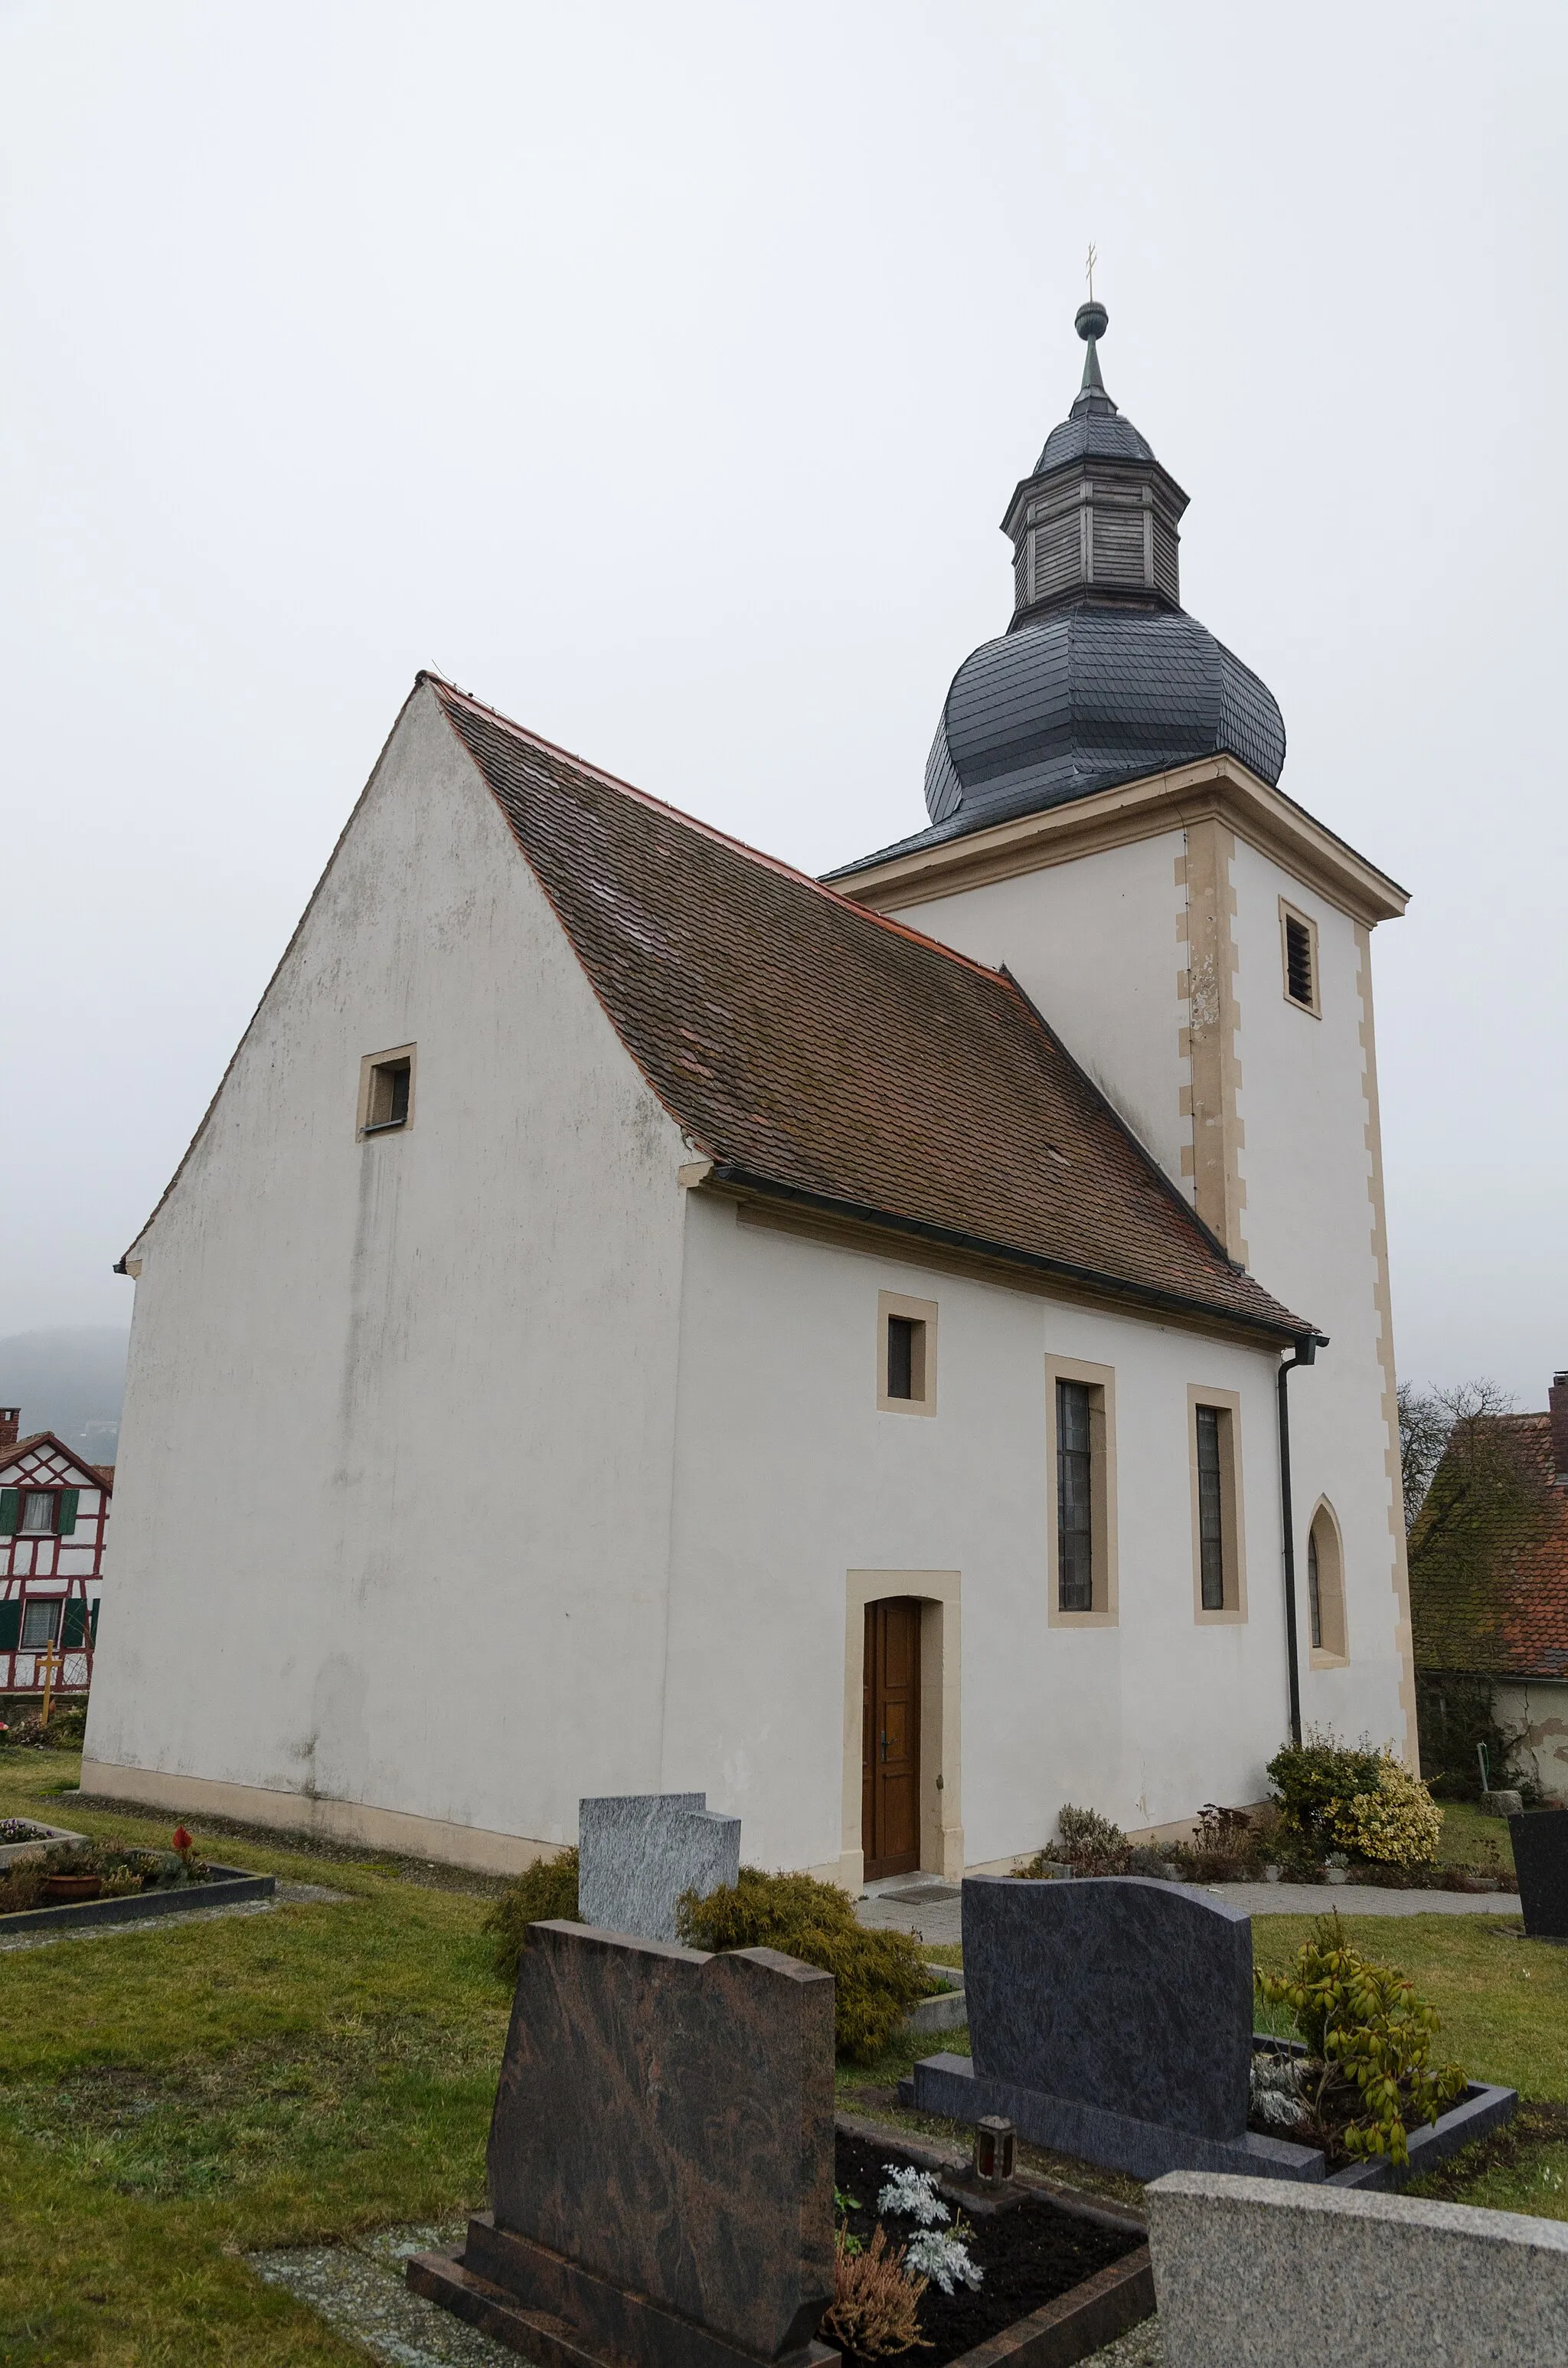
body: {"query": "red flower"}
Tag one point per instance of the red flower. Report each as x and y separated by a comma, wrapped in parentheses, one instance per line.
(182, 1840)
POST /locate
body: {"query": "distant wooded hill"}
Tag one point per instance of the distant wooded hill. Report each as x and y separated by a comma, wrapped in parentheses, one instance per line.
(71, 1382)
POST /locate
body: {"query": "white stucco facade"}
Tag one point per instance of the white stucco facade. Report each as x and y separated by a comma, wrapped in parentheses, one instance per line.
(549, 1469)
(1104, 944)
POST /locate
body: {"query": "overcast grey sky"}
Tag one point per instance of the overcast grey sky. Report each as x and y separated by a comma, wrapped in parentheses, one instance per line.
(661, 374)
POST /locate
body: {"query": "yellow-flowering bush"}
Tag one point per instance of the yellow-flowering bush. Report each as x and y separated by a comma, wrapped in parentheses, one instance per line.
(1397, 1822)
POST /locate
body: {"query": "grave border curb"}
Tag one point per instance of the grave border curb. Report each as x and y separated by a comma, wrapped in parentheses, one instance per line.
(229, 1885)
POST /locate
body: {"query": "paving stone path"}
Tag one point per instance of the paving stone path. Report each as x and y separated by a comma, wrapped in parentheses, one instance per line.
(359, 2288)
(931, 1910)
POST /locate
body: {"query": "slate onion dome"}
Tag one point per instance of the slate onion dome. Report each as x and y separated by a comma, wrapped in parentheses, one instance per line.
(1102, 677)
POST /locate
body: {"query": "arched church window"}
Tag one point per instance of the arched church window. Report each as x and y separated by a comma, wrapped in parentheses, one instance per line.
(1326, 1587)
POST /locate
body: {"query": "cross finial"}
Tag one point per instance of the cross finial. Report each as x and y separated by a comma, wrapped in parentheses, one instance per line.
(1089, 270)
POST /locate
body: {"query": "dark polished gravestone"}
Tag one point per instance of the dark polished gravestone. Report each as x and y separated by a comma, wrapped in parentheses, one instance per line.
(1541, 1858)
(661, 2161)
(1110, 2018)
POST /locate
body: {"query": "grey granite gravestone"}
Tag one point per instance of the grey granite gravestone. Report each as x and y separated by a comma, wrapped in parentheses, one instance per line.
(1541, 1857)
(1258, 2275)
(1110, 2018)
(661, 2161)
(638, 1852)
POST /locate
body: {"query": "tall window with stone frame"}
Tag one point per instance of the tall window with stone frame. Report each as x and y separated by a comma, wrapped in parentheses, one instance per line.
(1211, 1511)
(1075, 1498)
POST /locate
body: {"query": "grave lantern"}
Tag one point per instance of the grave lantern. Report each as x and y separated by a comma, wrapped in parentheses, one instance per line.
(994, 2146)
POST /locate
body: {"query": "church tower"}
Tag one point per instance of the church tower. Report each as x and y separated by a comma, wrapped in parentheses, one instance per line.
(1106, 822)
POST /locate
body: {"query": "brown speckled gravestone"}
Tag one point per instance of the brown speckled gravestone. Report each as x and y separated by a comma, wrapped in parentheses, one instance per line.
(661, 2161)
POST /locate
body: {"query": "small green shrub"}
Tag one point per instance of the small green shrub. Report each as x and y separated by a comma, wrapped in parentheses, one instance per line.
(1368, 2040)
(1090, 1844)
(1311, 1778)
(877, 1977)
(1361, 1801)
(1396, 1823)
(546, 1891)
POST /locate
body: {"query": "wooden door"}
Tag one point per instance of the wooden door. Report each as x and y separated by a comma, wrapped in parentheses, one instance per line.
(890, 1739)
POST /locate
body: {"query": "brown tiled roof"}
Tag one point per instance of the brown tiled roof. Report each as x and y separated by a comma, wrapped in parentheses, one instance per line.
(103, 1473)
(1489, 1564)
(817, 1049)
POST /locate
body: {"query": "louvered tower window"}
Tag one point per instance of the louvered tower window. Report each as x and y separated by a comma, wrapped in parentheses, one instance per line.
(1299, 945)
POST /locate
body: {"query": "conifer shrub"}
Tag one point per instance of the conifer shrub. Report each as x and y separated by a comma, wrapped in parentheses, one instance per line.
(877, 1977)
(544, 1892)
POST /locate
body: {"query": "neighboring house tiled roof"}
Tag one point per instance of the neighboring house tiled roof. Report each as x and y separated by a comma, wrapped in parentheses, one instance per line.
(1489, 1587)
(815, 1049)
(100, 1475)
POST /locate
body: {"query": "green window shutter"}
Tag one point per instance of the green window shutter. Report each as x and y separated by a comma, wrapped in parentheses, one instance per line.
(66, 1510)
(10, 1625)
(10, 1511)
(92, 1631)
(74, 1627)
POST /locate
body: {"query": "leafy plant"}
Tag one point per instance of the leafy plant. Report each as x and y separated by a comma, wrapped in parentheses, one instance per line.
(912, 2194)
(1090, 1843)
(21, 1886)
(935, 2251)
(877, 1977)
(1313, 1777)
(1395, 1821)
(875, 2309)
(1369, 2040)
(1226, 1847)
(544, 1892)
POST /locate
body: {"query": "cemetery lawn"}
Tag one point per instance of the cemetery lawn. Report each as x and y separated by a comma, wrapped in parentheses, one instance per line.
(171, 2100)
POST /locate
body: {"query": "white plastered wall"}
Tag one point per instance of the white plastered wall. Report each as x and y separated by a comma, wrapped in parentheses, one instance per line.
(1094, 942)
(1094, 945)
(1310, 1226)
(792, 1486)
(393, 1516)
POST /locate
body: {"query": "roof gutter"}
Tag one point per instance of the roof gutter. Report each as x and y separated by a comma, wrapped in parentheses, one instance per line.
(726, 1174)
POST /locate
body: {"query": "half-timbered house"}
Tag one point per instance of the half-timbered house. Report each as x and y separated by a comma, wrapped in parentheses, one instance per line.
(54, 1510)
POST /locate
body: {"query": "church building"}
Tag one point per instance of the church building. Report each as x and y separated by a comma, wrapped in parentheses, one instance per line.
(895, 1353)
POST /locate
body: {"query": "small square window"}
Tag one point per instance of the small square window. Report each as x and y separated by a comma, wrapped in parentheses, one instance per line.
(40, 1622)
(906, 1354)
(38, 1512)
(1299, 951)
(386, 1091)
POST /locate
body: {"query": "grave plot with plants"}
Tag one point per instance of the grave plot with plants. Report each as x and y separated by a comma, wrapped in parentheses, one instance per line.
(72, 1873)
(1365, 2076)
(915, 2273)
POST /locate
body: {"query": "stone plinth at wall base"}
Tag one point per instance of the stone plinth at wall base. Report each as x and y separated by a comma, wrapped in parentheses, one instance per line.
(950, 2084)
(573, 2320)
(1261, 2274)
